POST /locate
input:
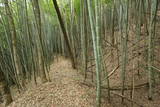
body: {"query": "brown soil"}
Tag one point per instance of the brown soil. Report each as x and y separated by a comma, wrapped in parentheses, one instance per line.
(67, 89)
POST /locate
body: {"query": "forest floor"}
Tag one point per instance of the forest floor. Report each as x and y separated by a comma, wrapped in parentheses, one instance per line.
(68, 89)
(64, 90)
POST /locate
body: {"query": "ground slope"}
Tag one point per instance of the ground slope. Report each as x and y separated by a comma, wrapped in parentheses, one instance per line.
(68, 89)
(65, 90)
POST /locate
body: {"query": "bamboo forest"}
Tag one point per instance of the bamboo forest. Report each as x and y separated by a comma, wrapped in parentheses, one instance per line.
(79, 53)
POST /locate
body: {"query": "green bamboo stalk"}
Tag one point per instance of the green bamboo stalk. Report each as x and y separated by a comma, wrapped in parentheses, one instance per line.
(64, 33)
(124, 47)
(13, 32)
(154, 6)
(40, 44)
(95, 39)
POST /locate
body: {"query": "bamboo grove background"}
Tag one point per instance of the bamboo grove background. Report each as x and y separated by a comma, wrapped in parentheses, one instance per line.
(102, 38)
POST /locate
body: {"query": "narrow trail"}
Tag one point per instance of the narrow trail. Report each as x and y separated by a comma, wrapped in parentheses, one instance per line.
(64, 90)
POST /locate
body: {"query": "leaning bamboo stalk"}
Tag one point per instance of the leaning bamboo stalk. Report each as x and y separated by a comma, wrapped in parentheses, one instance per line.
(64, 32)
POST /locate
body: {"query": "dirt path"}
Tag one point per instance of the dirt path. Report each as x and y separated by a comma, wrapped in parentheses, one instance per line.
(65, 90)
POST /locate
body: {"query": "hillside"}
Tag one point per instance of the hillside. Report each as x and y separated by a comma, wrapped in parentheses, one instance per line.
(67, 89)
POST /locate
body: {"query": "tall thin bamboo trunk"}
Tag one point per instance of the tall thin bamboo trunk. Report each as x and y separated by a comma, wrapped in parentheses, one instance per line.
(72, 28)
(13, 39)
(64, 32)
(154, 6)
(84, 35)
(95, 39)
(98, 60)
(40, 49)
(124, 47)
